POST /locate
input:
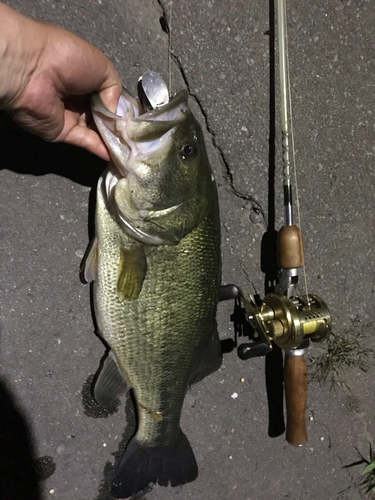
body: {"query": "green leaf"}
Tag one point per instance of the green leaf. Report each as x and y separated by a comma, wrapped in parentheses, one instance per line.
(369, 468)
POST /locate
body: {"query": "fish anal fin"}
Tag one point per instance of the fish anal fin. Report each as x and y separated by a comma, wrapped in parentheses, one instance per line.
(132, 272)
(89, 266)
(209, 359)
(110, 384)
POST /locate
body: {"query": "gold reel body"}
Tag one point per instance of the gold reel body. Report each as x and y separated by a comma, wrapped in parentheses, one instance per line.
(287, 321)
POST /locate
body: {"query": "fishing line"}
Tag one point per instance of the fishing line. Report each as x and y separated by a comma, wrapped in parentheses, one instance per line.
(170, 49)
(292, 141)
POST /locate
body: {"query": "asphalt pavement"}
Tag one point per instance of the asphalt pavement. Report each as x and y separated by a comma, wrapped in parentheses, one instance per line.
(58, 445)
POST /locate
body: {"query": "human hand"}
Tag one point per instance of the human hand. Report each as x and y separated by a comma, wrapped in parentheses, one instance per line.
(46, 77)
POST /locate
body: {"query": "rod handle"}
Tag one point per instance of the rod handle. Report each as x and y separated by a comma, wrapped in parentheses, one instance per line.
(290, 247)
(295, 380)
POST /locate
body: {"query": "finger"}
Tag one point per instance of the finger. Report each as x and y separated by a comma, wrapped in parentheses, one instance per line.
(76, 132)
(79, 68)
(88, 139)
(111, 89)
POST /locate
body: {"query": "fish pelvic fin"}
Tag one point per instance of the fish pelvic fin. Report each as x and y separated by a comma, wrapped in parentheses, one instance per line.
(89, 266)
(132, 272)
(110, 383)
(142, 464)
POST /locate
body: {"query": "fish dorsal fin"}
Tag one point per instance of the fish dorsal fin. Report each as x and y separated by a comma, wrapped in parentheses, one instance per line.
(110, 383)
(132, 271)
(89, 265)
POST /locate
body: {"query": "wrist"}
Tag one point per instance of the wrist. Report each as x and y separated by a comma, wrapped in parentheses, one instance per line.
(21, 45)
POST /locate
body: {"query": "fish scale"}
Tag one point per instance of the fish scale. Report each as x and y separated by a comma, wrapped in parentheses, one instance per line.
(155, 262)
(165, 314)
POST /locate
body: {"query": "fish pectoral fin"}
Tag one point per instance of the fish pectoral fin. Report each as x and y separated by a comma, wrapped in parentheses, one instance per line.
(89, 266)
(132, 272)
(110, 383)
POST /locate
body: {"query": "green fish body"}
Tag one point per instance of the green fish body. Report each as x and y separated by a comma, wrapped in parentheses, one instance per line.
(155, 262)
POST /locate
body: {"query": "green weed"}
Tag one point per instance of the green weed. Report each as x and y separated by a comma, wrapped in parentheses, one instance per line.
(366, 482)
(343, 352)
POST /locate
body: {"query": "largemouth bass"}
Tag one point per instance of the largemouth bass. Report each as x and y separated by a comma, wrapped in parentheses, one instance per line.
(155, 262)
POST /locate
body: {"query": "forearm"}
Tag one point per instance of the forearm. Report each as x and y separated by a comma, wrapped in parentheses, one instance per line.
(21, 46)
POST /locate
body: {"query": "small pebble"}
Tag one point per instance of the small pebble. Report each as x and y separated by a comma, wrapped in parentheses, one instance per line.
(311, 418)
(234, 395)
(242, 380)
(322, 438)
(52, 491)
(104, 444)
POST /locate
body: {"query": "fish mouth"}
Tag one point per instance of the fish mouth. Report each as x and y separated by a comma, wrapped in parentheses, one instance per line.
(132, 134)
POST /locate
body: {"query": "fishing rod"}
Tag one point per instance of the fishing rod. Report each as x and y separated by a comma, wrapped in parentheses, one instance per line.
(286, 317)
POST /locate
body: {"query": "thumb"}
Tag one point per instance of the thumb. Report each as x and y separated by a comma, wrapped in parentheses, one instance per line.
(111, 89)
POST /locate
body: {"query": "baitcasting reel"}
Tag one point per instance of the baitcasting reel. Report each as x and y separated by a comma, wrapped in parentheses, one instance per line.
(285, 321)
(289, 322)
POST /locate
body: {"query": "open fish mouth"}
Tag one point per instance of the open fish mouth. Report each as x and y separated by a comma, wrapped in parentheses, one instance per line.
(133, 134)
(139, 135)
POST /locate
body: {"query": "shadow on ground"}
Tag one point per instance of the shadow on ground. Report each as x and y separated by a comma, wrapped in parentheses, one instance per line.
(24, 153)
(92, 409)
(20, 471)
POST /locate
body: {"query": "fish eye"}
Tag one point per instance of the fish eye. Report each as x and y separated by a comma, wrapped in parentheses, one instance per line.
(188, 151)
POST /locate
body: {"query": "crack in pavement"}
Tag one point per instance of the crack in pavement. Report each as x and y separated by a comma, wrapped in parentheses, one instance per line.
(248, 278)
(255, 205)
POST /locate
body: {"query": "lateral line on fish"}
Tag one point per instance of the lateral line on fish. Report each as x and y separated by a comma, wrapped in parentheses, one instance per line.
(156, 415)
(167, 337)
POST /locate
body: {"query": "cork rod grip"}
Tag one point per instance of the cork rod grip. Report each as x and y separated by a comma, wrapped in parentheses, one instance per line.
(295, 379)
(290, 248)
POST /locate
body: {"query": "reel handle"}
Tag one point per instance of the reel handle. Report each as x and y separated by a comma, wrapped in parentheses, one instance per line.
(295, 381)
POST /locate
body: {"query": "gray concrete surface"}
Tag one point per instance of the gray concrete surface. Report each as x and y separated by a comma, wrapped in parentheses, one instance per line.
(48, 350)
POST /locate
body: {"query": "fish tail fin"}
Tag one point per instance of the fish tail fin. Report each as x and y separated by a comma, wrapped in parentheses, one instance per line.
(142, 464)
